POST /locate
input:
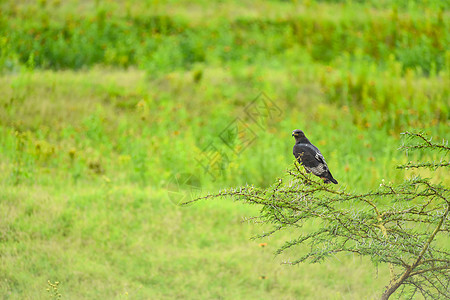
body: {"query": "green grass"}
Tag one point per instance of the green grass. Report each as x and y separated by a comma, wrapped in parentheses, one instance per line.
(108, 242)
(103, 105)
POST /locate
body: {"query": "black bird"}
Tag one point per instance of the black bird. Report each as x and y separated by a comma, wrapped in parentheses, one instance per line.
(310, 157)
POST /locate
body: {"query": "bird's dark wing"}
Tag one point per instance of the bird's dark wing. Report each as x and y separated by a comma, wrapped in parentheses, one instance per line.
(311, 158)
(320, 158)
(308, 155)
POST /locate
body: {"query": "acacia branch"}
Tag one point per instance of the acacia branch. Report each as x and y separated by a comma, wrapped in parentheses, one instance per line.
(394, 286)
(447, 267)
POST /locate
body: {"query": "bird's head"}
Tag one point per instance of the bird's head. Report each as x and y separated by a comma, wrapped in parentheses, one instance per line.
(297, 133)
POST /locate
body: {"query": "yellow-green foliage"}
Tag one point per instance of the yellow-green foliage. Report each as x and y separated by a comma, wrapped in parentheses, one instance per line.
(104, 103)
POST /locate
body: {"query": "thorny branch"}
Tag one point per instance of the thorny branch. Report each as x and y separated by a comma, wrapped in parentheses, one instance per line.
(397, 224)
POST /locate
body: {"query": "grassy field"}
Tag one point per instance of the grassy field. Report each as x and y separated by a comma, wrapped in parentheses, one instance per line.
(111, 111)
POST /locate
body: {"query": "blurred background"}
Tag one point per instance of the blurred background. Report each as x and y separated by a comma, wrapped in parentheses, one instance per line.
(113, 112)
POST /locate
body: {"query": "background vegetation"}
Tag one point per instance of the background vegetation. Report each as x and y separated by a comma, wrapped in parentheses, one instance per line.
(111, 109)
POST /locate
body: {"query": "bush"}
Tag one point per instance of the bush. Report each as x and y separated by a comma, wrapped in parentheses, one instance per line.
(60, 39)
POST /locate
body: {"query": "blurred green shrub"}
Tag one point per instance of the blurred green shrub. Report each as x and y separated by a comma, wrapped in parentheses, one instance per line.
(164, 42)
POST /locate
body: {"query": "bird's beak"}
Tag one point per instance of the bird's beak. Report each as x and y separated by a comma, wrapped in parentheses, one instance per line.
(293, 134)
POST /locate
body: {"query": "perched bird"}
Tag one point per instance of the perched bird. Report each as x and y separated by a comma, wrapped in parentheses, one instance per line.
(310, 157)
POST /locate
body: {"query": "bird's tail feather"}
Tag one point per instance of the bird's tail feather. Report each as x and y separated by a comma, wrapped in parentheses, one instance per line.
(330, 177)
